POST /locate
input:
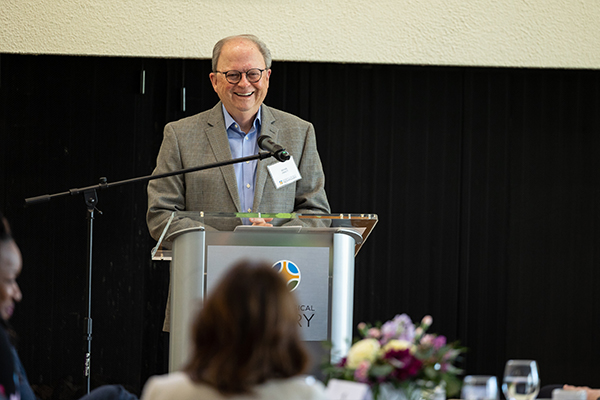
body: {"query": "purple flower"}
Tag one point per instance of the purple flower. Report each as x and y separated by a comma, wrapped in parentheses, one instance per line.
(439, 342)
(401, 328)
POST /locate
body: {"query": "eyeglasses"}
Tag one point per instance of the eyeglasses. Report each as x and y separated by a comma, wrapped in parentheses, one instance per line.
(253, 75)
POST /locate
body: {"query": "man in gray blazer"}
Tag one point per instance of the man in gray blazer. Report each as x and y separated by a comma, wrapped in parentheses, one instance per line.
(241, 72)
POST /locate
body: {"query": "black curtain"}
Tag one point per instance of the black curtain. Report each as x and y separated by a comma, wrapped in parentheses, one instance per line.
(485, 180)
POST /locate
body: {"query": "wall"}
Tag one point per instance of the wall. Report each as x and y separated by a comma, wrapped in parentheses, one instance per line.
(517, 33)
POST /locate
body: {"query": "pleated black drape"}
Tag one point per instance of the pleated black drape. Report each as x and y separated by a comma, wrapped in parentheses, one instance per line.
(485, 180)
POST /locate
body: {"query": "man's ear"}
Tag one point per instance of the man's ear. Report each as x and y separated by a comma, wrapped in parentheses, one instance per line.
(213, 79)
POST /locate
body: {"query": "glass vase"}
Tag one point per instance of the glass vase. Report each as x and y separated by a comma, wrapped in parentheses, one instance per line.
(414, 391)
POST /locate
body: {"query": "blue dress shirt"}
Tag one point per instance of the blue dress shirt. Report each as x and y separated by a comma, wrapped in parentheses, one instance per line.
(243, 145)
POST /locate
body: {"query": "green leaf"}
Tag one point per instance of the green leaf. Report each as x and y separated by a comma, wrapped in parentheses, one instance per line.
(380, 370)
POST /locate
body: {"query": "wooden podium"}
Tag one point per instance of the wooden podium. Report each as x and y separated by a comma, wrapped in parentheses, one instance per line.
(322, 256)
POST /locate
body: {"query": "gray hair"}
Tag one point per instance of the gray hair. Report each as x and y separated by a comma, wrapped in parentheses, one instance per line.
(264, 50)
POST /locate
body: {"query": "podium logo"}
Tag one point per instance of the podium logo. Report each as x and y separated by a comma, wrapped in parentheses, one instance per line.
(290, 273)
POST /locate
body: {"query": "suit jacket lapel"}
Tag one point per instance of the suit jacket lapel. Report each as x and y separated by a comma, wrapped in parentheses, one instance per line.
(267, 128)
(217, 137)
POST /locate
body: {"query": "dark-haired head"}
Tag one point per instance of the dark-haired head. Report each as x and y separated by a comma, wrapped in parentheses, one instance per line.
(6, 361)
(10, 268)
(247, 332)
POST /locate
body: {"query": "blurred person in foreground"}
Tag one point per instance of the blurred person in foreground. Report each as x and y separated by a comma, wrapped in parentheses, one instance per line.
(246, 344)
(8, 388)
(10, 294)
(14, 383)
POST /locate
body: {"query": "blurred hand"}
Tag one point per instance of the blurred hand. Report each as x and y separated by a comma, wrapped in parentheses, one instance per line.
(263, 222)
(592, 394)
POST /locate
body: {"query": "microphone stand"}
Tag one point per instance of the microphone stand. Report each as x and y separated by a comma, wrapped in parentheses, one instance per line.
(90, 197)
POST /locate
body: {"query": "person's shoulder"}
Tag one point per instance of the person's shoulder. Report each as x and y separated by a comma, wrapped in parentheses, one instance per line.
(282, 116)
(176, 385)
(163, 382)
(296, 388)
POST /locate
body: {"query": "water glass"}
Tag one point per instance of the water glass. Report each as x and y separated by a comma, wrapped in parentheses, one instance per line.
(521, 380)
(479, 387)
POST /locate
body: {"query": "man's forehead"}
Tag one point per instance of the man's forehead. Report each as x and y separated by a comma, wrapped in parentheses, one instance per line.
(239, 49)
(239, 43)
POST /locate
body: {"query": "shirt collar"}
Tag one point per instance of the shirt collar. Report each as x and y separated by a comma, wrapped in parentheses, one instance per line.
(230, 121)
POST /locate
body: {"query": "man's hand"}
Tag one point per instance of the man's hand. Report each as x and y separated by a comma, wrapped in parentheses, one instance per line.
(261, 221)
(591, 394)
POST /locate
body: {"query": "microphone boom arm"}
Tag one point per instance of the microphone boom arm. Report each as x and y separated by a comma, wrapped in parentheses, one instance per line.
(105, 185)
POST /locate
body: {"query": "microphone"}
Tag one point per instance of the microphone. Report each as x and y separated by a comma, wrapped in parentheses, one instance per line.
(266, 143)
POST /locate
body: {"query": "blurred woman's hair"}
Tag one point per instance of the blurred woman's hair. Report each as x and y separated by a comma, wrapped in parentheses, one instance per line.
(247, 332)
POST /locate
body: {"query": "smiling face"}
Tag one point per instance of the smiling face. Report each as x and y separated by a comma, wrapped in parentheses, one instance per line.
(10, 268)
(243, 99)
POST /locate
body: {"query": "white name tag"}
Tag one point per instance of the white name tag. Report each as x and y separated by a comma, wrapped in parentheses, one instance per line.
(347, 390)
(284, 173)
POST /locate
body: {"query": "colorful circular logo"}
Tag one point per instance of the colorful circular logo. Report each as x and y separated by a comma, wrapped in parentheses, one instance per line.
(290, 272)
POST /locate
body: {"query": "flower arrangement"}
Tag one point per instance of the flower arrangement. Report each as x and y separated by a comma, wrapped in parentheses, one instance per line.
(400, 355)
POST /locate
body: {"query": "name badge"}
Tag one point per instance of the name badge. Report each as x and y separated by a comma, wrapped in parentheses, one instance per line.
(347, 390)
(284, 173)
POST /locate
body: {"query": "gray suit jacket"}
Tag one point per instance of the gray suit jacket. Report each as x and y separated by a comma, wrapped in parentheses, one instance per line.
(202, 139)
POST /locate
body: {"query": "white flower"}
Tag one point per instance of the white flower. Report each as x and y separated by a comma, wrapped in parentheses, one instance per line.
(398, 345)
(365, 349)
(427, 321)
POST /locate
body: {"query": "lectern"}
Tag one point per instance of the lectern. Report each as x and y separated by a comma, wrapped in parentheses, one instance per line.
(317, 251)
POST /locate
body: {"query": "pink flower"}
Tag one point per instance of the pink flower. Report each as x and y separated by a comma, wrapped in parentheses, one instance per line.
(439, 342)
(361, 374)
(450, 355)
(374, 333)
(428, 340)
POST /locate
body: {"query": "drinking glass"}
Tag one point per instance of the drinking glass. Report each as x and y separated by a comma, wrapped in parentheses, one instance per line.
(479, 387)
(521, 380)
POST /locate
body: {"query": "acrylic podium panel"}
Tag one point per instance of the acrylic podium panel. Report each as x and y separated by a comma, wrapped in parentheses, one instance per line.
(324, 256)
